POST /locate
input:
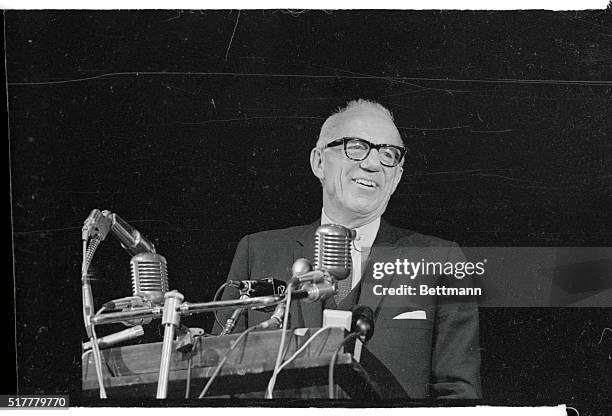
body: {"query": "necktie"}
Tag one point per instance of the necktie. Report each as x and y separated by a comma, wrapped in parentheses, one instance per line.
(359, 256)
(344, 288)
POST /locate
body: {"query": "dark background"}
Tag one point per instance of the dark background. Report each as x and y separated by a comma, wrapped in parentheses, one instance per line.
(196, 127)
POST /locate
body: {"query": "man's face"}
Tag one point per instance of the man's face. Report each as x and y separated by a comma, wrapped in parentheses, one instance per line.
(356, 192)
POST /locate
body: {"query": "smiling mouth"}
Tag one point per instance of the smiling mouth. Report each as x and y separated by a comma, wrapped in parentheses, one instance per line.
(366, 182)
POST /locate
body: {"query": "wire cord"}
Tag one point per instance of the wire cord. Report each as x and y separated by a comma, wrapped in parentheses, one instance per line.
(281, 347)
(217, 293)
(332, 364)
(225, 357)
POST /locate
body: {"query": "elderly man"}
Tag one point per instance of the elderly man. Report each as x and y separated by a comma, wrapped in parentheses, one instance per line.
(429, 344)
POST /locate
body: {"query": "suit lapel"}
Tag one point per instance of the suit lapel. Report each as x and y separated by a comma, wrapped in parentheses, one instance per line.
(386, 239)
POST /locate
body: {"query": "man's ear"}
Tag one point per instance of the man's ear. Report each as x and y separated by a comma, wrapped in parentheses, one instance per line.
(397, 178)
(317, 163)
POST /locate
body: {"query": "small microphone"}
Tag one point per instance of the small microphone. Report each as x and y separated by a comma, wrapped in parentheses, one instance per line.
(252, 289)
(116, 338)
(313, 292)
(332, 250)
(261, 287)
(96, 226)
(131, 239)
(276, 320)
(124, 303)
(300, 266)
(362, 322)
(149, 277)
(362, 329)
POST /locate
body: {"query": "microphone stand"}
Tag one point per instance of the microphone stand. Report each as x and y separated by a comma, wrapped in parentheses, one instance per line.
(170, 320)
(96, 227)
(171, 315)
(91, 333)
(186, 309)
(174, 308)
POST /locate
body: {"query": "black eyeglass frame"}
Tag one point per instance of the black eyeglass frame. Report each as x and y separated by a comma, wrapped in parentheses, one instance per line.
(345, 140)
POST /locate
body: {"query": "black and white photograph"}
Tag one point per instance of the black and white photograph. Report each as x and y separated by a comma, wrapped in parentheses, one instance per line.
(360, 208)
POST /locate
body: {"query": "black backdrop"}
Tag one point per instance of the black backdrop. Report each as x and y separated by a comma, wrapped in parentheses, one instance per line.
(196, 127)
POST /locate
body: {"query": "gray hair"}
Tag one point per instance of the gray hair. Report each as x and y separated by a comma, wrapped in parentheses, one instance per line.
(354, 105)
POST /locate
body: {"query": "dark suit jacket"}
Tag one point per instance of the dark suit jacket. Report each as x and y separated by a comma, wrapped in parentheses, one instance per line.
(434, 357)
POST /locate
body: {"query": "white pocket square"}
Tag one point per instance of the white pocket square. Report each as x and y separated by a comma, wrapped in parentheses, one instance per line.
(411, 315)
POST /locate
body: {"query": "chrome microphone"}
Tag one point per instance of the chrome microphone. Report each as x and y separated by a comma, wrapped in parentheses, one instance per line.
(149, 277)
(332, 250)
(302, 272)
(113, 339)
(276, 320)
(300, 266)
(131, 239)
(96, 225)
(313, 292)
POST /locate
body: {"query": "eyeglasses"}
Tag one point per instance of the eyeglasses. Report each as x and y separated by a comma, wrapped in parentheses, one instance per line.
(359, 149)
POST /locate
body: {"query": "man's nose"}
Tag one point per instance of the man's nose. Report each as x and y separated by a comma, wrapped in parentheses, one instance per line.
(372, 162)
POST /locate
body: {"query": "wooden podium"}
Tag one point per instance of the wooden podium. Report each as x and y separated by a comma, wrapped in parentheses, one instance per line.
(132, 371)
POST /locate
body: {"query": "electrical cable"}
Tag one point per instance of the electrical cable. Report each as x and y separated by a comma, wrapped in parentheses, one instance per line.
(332, 364)
(303, 347)
(217, 293)
(188, 381)
(279, 356)
(189, 363)
(224, 359)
